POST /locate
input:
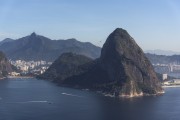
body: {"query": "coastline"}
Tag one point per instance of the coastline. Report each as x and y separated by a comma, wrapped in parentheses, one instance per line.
(132, 95)
(170, 86)
(2, 78)
(19, 77)
(108, 94)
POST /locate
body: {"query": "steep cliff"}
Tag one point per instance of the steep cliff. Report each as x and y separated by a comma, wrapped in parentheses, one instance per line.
(5, 66)
(125, 63)
(122, 69)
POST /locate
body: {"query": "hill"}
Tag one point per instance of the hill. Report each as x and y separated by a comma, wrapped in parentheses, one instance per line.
(36, 47)
(163, 59)
(66, 63)
(5, 66)
(162, 52)
(122, 69)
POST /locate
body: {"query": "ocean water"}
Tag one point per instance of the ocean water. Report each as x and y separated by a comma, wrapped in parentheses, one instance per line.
(32, 99)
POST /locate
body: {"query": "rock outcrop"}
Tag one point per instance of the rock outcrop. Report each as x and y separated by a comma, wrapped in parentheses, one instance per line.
(65, 66)
(126, 64)
(122, 69)
(5, 66)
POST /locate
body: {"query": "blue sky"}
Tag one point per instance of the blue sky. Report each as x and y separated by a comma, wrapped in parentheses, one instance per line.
(154, 24)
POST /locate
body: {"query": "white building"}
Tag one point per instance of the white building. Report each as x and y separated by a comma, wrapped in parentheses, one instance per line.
(167, 83)
(164, 76)
(24, 68)
(176, 81)
(14, 74)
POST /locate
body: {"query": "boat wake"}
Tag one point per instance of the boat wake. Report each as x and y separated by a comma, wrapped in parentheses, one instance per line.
(37, 101)
(71, 95)
(30, 102)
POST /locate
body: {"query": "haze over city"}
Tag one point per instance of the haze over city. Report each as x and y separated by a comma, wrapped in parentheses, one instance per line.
(153, 24)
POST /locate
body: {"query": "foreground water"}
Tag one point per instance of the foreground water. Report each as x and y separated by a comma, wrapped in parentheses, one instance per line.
(31, 99)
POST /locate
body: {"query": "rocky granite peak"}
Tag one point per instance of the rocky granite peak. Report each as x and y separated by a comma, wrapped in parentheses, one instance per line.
(33, 34)
(122, 69)
(126, 63)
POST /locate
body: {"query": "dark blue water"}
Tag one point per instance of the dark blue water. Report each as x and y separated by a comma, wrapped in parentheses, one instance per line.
(31, 99)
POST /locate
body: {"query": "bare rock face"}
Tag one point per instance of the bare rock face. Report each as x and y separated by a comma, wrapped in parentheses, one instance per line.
(127, 65)
(122, 69)
(5, 66)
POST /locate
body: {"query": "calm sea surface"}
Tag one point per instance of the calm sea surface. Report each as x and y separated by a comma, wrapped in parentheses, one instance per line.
(31, 99)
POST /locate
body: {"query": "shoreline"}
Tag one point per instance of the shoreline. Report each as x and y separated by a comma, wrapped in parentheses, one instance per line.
(2, 78)
(132, 95)
(19, 77)
(171, 86)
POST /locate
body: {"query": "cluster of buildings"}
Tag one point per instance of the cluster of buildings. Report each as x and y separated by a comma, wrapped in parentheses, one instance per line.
(169, 82)
(30, 67)
(167, 68)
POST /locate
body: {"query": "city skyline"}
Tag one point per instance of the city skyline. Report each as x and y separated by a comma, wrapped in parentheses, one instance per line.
(153, 24)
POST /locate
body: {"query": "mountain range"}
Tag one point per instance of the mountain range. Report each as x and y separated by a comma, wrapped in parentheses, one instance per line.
(163, 59)
(36, 47)
(122, 69)
(162, 52)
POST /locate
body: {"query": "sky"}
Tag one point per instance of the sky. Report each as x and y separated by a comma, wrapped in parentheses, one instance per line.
(154, 24)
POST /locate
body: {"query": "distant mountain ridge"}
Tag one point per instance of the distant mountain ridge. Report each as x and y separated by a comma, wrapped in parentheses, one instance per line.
(6, 40)
(162, 52)
(36, 47)
(163, 59)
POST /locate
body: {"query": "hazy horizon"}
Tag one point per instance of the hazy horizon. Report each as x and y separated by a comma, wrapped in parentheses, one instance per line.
(154, 51)
(153, 24)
